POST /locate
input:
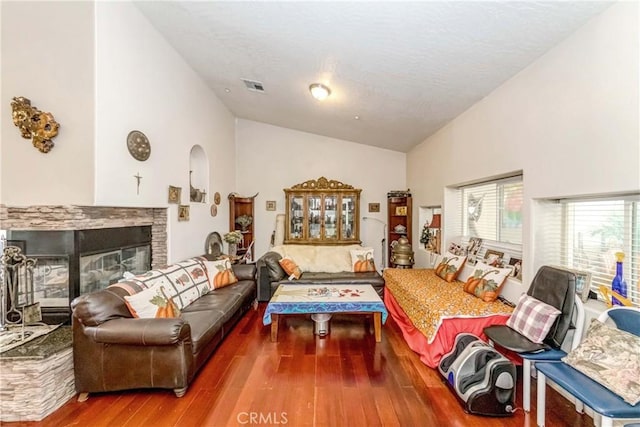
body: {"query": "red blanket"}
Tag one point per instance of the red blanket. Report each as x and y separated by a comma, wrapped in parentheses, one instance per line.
(423, 295)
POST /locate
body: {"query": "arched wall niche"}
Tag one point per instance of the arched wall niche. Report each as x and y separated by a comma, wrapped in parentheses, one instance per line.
(198, 175)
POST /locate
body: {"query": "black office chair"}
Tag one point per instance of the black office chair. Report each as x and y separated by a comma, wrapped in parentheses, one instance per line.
(555, 287)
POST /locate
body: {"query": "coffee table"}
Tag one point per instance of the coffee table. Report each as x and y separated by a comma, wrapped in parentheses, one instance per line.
(319, 298)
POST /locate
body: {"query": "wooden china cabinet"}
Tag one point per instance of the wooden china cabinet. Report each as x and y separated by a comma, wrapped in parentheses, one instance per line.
(242, 207)
(322, 212)
(399, 210)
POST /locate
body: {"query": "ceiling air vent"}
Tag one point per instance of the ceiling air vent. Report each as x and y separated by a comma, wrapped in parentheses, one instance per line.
(253, 85)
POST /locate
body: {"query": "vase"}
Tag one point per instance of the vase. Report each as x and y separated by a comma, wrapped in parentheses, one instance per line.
(233, 249)
(618, 284)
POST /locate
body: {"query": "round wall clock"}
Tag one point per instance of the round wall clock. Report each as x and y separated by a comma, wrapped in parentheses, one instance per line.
(216, 198)
(214, 210)
(138, 145)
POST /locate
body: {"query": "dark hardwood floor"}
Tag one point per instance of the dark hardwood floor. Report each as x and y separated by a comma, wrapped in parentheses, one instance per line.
(344, 379)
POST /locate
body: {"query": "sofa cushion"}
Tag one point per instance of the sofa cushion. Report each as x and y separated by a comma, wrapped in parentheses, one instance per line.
(290, 268)
(362, 260)
(220, 273)
(318, 258)
(486, 282)
(450, 266)
(611, 357)
(533, 318)
(183, 281)
(152, 303)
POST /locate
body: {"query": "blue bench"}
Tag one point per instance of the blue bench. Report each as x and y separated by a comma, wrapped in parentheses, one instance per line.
(603, 401)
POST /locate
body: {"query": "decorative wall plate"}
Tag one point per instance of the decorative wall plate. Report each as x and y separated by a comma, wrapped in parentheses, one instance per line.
(138, 145)
(216, 198)
(214, 210)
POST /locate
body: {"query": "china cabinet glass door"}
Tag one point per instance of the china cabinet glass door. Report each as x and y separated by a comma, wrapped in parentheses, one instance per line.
(330, 217)
(315, 215)
(296, 217)
(347, 220)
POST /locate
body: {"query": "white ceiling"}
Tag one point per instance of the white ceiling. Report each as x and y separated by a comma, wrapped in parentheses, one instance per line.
(405, 68)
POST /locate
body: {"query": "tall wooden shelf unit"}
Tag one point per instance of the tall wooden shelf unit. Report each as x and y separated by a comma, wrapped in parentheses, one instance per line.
(399, 210)
(322, 212)
(238, 206)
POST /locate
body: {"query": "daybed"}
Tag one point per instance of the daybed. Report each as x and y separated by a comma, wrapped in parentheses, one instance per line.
(431, 311)
(112, 350)
(319, 264)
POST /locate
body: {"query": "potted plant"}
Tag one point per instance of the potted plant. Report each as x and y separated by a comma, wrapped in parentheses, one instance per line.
(233, 238)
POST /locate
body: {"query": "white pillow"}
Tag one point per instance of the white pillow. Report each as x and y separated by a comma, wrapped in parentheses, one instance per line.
(151, 303)
(220, 273)
(450, 266)
(362, 260)
(486, 282)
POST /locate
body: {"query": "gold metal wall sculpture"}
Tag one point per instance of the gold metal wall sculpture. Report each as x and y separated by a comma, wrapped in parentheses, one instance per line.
(40, 127)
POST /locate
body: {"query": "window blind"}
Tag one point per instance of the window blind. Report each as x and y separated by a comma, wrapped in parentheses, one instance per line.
(492, 211)
(586, 234)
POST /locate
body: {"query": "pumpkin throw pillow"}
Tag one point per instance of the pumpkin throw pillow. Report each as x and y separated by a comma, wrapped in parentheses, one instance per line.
(486, 282)
(450, 266)
(362, 260)
(610, 357)
(532, 318)
(291, 268)
(152, 303)
(220, 273)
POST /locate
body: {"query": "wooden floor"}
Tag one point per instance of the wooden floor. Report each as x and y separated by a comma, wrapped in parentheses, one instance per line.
(344, 379)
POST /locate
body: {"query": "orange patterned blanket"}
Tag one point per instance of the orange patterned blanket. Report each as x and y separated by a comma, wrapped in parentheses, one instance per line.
(427, 299)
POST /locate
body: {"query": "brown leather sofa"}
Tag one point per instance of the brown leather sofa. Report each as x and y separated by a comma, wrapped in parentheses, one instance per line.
(270, 275)
(114, 351)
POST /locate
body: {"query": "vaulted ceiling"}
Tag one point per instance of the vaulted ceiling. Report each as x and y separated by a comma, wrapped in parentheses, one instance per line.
(398, 71)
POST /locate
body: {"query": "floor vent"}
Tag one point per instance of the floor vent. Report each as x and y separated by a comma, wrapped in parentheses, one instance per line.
(253, 85)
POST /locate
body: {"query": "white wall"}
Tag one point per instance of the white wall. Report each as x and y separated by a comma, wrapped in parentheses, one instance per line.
(569, 121)
(143, 84)
(272, 158)
(47, 56)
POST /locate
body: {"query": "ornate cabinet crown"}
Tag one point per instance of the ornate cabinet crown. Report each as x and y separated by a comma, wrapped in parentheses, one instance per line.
(322, 212)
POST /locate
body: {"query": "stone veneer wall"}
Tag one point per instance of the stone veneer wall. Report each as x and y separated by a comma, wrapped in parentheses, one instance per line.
(90, 217)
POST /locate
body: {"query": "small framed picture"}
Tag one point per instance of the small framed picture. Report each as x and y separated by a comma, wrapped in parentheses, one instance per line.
(455, 249)
(493, 258)
(183, 212)
(517, 267)
(374, 207)
(583, 282)
(271, 205)
(174, 194)
(401, 210)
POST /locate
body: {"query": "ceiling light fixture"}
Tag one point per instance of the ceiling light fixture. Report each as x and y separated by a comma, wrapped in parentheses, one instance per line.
(319, 91)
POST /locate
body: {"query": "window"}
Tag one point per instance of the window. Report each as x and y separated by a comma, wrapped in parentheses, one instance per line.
(585, 234)
(492, 211)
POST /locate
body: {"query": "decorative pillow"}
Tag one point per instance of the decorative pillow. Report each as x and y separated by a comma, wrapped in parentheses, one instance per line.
(152, 303)
(486, 282)
(450, 266)
(184, 282)
(362, 260)
(272, 261)
(532, 318)
(291, 268)
(220, 273)
(610, 357)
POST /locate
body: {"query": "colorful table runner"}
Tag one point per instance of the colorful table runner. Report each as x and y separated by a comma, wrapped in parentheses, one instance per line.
(303, 299)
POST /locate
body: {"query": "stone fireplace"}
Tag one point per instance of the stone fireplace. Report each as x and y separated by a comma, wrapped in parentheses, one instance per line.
(82, 248)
